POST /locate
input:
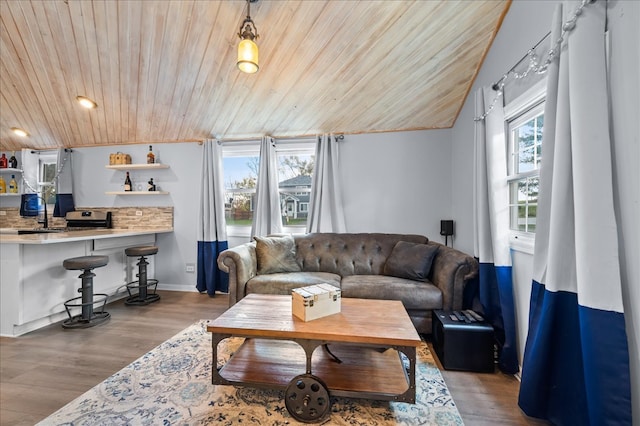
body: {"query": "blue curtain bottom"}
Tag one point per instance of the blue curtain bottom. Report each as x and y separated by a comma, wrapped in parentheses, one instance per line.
(210, 277)
(576, 362)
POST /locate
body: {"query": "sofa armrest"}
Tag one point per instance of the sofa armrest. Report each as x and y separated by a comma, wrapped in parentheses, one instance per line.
(241, 264)
(450, 271)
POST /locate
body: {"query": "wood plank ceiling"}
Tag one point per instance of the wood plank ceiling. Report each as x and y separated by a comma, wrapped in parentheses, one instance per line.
(164, 71)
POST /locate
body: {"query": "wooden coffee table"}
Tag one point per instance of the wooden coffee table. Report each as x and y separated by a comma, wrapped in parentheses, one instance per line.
(281, 352)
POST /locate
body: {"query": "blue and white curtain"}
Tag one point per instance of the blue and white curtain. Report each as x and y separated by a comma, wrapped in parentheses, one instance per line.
(326, 212)
(64, 184)
(491, 228)
(30, 201)
(576, 360)
(267, 217)
(212, 233)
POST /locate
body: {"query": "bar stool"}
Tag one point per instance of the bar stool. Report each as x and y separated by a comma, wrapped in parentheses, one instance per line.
(88, 317)
(143, 297)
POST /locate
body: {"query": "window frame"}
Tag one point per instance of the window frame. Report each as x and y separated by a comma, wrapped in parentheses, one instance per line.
(47, 188)
(251, 148)
(522, 109)
(240, 149)
(289, 148)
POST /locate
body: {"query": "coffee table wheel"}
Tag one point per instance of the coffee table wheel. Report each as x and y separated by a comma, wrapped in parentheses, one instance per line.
(307, 398)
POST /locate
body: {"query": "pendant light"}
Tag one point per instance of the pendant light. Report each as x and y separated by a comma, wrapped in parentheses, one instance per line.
(248, 49)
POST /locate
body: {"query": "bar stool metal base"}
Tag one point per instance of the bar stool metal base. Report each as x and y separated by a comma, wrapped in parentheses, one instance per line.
(81, 320)
(143, 297)
(88, 316)
(143, 284)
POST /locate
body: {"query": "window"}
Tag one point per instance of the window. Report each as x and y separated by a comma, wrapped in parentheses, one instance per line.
(240, 162)
(240, 167)
(525, 155)
(295, 170)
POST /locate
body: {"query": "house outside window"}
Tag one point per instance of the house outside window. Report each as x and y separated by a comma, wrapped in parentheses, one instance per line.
(240, 170)
(296, 160)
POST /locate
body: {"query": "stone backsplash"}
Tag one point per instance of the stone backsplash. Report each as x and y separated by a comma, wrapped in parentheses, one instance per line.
(123, 218)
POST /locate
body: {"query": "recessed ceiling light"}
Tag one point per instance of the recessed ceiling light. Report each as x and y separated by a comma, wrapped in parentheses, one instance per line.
(86, 102)
(20, 132)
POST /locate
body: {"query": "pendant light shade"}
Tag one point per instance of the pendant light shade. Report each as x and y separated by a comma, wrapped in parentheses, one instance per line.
(248, 56)
(248, 49)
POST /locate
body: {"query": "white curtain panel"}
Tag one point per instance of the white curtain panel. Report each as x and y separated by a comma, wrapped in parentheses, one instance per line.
(576, 362)
(326, 211)
(29, 171)
(267, 217)
(212, 231)
(211, 223)
(491, 228)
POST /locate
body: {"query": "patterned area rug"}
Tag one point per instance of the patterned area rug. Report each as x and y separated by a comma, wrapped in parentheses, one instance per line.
(171, 385)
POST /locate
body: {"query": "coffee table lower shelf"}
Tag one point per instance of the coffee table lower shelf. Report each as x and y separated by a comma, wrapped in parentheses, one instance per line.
(364, 372)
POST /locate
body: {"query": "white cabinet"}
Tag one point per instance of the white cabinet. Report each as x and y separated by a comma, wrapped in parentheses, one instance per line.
(34, 285)
(6, 175)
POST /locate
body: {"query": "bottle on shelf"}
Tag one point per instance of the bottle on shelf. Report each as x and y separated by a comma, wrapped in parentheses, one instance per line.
(3, 161)
(151, 157)
(13, 185)
(127, 183)
(3, 186)
(151, 186)
(13, 161)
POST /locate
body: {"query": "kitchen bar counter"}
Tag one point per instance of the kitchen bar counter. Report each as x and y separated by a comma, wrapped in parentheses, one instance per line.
(34, 285)
(10, 235)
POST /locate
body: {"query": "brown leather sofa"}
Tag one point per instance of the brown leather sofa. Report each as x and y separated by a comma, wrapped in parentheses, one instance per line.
(367, 265)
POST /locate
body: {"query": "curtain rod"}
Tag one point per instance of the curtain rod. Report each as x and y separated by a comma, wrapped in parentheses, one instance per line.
(50, 150)
(496, 85)
(339, 137)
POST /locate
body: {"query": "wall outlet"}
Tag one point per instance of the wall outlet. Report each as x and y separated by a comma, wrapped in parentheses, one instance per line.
(190, 268)
(138, 212)
(3, 213)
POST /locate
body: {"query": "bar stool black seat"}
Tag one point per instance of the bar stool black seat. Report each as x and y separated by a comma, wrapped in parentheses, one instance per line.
(144, 296)
(88, 316)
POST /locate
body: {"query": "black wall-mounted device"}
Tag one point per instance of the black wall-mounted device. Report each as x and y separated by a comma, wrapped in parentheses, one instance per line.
(446, 227)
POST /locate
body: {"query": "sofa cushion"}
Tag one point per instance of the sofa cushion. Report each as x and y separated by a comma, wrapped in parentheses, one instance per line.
(410, 260)
(283, 283)
(413, 294)
(276, 254)
(348, 254)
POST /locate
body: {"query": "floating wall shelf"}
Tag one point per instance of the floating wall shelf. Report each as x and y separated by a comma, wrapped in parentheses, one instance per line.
(137, 193)
(137, 166)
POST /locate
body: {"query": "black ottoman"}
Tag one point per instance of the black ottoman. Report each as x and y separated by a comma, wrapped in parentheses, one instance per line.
(462, 344)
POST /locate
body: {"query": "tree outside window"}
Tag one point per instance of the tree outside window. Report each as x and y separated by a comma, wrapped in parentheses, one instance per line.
(525, 149)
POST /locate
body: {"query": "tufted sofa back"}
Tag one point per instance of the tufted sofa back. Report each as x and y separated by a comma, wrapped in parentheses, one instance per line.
(348, 254)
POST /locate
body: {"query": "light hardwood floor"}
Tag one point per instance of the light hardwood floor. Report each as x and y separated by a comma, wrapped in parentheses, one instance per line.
(43, 370)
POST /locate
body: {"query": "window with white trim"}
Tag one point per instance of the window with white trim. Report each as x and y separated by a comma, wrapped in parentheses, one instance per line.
(296, 160)
(524, 158)
(240, 161)
(240, 168)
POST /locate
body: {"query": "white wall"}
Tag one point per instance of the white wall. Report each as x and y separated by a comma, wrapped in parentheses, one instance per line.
(393, 182)
(397, 182)
(525, 24)
(181, 179)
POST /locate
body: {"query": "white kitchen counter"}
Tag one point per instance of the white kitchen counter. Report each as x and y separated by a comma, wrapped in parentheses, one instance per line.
(10, 235)
(34, 285)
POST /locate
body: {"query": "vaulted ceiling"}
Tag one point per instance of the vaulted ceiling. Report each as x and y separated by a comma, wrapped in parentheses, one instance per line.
(165, 71)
